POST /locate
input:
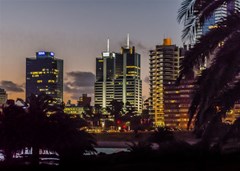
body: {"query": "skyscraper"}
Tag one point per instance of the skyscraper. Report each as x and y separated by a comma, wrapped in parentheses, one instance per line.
(105, 75)
(118, 77)
(128, 83)
(44, 74)
(164, 69)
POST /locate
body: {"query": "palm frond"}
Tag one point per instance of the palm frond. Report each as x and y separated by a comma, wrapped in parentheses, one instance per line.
(207, 9)
(186, 10)
(229, 96)
(193, 107)
(194, 13)
(208, 95)
(209, 43)
(215, 79)
(190, 29)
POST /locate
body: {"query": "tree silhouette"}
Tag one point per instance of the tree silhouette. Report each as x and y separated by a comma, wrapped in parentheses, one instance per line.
(12, 124)
(68, 138)
(43, 126)
(161, 134)
(116, 109)
(40, 107)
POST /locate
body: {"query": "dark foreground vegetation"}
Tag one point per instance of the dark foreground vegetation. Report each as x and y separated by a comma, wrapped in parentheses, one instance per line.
(170, 157)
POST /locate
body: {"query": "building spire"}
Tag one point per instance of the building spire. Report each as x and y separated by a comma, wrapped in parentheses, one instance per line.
(128, 41)
(108, 45)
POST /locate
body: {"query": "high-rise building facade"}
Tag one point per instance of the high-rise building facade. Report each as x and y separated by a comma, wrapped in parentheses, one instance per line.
(3, 96)
(177, 100)
(105, 75)
(118, 78)
(164, 69)
(128, 83)
(44, 74)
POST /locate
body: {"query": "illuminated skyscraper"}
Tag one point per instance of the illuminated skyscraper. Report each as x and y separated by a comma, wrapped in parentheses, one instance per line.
(105, 75)
(44, 74)
(118, 77)
(128, 83)
(164, 69)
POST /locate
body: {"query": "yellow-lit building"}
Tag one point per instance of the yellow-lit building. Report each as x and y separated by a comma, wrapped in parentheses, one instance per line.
(165, 62)
(75, 111)
(177, 100)
(118, 77)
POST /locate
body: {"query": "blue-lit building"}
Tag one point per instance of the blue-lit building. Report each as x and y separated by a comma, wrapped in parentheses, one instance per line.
(44, 74)
(220, 13)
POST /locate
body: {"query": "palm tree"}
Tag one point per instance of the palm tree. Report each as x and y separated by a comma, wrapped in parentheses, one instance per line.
(160, 135)
(98, 114)
(40, 107)
(116, 108)
(12, 123)
(68, 138)
(218, 86)
(43, 125)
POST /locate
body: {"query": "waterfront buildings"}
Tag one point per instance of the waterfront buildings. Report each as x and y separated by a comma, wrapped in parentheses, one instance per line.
(165, 97)
(118, 77)
(84, 101)
(177, 100)
(3, 96)
(44, 74)
(74, 110)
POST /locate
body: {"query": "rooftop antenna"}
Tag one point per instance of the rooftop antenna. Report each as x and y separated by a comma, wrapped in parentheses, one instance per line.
(128, 41)
(108, 45)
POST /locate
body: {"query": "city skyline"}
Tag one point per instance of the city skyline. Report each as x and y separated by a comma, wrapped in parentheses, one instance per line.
(77, 31)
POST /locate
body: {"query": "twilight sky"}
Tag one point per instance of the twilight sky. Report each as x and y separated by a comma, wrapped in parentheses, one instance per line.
(77, 31)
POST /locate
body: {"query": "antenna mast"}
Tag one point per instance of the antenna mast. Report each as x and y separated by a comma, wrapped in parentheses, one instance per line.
(108, 45)
(128, 41)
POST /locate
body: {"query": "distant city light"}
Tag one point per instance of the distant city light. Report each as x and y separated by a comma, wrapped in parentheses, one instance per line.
(52, 53)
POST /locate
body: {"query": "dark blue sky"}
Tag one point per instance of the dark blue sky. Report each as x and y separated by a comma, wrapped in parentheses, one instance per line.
(76, 30)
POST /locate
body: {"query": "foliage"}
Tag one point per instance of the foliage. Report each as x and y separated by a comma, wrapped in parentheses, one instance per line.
(161, 134)
(115, 109)
(44, 125)
(12, 124)
(140, 147)
(218, 86)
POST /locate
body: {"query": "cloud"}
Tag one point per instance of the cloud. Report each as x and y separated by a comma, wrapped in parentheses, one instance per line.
(79, 82)
(11, 86)
(81, 79)
(146, 79)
